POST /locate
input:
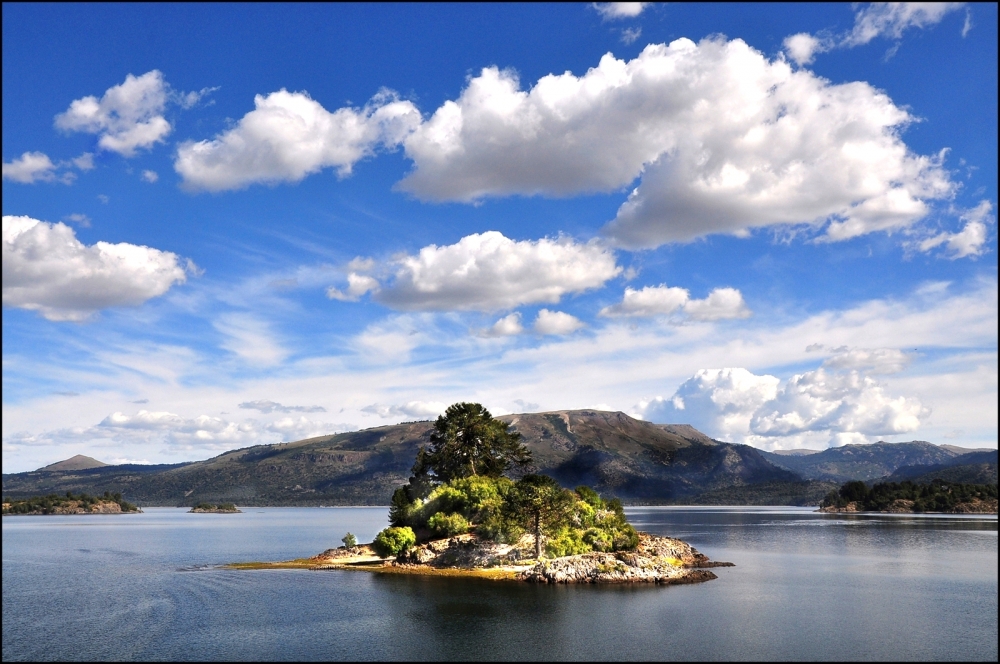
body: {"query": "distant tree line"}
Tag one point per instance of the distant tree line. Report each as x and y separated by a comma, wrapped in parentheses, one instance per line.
(458, 486)
(51, 503)
(938, 496)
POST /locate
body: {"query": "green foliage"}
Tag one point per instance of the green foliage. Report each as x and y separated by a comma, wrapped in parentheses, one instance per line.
(852, 491)
(394, 540)
(566, 541)
(458, 485)
(204, 506)
(448, 525)
(542, 506)
(51, 503)
(467, 441)
(938, 496)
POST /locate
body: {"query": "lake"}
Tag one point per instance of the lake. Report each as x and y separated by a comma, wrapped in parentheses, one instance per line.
(806, 586)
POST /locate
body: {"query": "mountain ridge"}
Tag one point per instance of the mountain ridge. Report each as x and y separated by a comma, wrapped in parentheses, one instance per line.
(637, 461)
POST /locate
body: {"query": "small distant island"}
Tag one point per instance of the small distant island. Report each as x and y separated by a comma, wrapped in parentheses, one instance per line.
(459, 515)
(70, 503)
(907, 497)
(209, 508)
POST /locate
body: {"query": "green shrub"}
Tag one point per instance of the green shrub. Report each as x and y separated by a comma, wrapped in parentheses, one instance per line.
(349, 540)
(598, 539)
(394, 540)
(566, 542)
(448, 525)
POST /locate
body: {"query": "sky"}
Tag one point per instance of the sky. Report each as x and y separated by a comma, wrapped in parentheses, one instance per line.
(227, 225)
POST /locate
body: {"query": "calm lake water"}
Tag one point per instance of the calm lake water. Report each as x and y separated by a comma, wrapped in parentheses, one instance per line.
(806, 586)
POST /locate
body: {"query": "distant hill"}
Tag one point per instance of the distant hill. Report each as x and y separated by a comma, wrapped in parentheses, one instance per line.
(637, 461)
(799, 452)
(862, 462)
(972, 468)
(78, 462)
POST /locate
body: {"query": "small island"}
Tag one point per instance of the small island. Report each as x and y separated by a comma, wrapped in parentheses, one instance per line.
(209, 508)
(936, 497)
(70, 503)
(460, 515)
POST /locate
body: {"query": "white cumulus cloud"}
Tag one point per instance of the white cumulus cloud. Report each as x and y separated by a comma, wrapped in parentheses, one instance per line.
(150, 176)
(488, 272)
(831, 407)
(47, 269)
(289, 136)
(507, 326)
(721, 303)
(971, 240)
(128, 117)
(803, 47)
(838, 403)
(556, 322)
(649, 301)
(617, 10)
(723, 139)
(30, 167)
(719, 402)
(357, 285)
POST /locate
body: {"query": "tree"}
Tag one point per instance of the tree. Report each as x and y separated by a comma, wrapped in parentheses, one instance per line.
(349, 540)
(468, 441)
(393, 541)
(542, 505)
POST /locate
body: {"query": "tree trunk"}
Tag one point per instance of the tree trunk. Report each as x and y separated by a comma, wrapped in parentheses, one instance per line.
(538, 536)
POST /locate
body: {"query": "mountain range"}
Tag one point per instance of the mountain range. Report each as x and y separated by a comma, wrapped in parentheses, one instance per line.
(636, 461)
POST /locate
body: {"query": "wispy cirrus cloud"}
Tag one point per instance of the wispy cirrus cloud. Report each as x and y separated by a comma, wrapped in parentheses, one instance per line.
(876, 19)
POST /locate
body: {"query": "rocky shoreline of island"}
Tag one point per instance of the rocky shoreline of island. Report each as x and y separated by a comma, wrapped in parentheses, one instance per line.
(659, 560)
(69, 503)
(209, 508)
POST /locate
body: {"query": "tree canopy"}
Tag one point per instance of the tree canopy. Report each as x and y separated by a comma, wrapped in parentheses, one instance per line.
(468, 441)
(458, 486)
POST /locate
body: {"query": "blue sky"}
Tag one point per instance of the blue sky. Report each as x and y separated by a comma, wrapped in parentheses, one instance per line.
(229, 225)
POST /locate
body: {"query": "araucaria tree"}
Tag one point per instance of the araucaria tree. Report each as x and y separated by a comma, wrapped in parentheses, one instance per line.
(543, 504)
(467, 441)
(458, 486)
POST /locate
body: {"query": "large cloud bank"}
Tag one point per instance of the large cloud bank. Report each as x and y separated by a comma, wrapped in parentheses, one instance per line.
(723, 139)
(47, 269)
(816, 408)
